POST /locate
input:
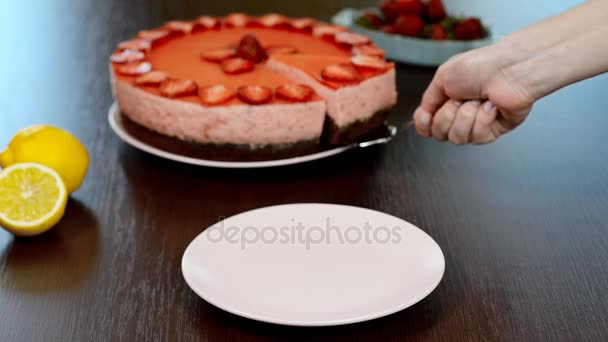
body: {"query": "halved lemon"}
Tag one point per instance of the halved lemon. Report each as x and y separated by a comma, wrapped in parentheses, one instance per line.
(32, 198)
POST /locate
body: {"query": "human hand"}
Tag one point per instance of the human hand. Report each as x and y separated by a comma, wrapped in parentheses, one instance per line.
(474, 98)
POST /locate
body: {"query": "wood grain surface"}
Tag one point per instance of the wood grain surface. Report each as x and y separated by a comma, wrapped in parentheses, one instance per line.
(523, 223)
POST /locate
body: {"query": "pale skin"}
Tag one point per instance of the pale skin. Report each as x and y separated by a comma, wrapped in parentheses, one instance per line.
(478, 96)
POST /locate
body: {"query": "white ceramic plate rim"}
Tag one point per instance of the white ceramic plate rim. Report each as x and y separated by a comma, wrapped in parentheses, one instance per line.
(321, 323)
(114, 117)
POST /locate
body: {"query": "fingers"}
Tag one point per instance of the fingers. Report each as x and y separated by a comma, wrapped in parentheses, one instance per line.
(483, 131)
(422, 121)
(434, 97)
(443, 119)
(462, 127)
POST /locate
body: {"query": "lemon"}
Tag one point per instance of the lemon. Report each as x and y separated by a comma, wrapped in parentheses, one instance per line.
(32, 198)
(52, 147)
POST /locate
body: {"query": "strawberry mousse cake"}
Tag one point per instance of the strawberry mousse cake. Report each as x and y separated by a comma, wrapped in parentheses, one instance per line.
(253, 82)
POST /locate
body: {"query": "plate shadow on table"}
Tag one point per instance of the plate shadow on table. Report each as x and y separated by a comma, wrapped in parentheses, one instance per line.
(63, 258)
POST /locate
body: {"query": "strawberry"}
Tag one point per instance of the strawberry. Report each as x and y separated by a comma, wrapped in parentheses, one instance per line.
(435, 11)
(154, 36)
(153, 78)
(237, 65)
(293, 92)
(206, 22)
(389, 9)
(127, 56)
(237, 20)
(368, 50)
(134, 69)
(371, 19)
(273, 20)
(409, 7)
(179, 27)
(438, 32)
(135, 44)
(281, 49)
(216, 94)
(327, 31)
(250, 49)
(350, 38)
(255, 94)
(175, 88)
(469, 29)
(218, 55)
(368, 62)
(409, 25)
(340, 73)
(390, 29)
(303, 24)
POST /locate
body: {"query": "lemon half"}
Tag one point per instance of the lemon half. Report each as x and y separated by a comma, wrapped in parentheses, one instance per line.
(32, 198)
(52, 147)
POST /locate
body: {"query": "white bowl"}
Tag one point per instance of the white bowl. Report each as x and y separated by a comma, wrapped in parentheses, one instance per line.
(407, 49)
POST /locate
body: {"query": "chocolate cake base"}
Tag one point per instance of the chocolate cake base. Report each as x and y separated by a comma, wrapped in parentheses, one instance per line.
(336, 136)
(370, 129)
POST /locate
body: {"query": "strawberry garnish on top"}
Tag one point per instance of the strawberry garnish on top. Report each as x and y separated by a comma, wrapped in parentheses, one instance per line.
(152, 78)
(469, 29)
(327, 31)
(350, 38)
(206, 22)
(135, 44)
(175, 88)
(435, 11)
(237, 65)
(250, 49)
(216, 94)
(155, 37)
(368, 50)
(409, 25)
(255, 94)
(302, 24)
(273, 20)
(135, 69)
(369, 62)
(344, 73)
(293, 92)
(237, 20)
(179, 27)
(127, 56)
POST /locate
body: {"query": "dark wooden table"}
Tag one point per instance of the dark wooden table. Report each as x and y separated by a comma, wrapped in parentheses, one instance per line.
(523, 223)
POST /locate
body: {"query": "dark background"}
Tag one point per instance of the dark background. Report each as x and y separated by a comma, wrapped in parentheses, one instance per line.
(522, 222)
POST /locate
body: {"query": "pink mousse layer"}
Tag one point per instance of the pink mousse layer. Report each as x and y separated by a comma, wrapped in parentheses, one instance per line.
(347, 105)
(233, 124)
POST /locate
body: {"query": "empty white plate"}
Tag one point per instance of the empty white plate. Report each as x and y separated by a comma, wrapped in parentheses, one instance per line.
(313, 264)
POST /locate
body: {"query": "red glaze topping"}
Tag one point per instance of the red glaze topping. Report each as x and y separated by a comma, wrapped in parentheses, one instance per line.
(237, 20)
(127, 56)
(216, 94)
(350, 38)
(369, 62)
(179, 27)
(134, 69)
(293, 92)
(154, 36)
(344, 73)
(368, 50)
(153, 78)
(250, 49)
(174, 88)
(237, 65)
(206, 22)
(281, 49)
(303, 24)
(218, 55)
(254, 94)
(273, 20)
(135, 44)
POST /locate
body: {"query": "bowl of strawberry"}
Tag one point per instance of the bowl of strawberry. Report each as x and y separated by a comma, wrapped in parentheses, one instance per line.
(416, 31)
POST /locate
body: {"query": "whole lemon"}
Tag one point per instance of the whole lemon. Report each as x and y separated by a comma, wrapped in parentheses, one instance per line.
(52, 147)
